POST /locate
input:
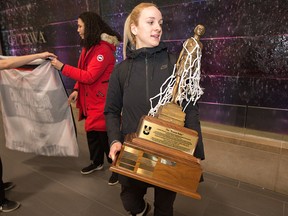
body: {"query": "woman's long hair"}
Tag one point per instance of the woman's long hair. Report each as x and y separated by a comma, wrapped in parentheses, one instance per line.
(133, 18)
(94, 27)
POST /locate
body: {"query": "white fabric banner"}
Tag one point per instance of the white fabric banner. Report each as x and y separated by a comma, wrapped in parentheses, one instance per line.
(36, 114)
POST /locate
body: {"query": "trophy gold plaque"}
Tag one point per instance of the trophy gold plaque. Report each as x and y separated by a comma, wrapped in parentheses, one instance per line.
(161, 151)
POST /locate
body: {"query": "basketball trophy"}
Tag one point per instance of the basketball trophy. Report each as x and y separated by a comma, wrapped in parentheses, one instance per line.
(161, 151)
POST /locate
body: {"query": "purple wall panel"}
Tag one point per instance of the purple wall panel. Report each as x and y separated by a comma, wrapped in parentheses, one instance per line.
(38, 13)
(244, 59)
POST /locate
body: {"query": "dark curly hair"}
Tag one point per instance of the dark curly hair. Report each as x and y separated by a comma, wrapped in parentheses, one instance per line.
(94, 27)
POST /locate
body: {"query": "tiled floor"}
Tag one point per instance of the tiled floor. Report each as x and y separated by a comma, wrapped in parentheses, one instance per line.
(53, 186)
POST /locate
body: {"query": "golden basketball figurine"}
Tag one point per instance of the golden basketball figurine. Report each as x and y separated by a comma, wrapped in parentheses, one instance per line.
(186, 85)
(187, 57)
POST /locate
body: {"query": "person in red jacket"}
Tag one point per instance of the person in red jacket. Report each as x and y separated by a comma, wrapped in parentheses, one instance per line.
(95, 65)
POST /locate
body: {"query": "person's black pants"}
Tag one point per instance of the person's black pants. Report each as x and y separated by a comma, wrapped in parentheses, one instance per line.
(98, 145)
(133, 200)
(2, 192)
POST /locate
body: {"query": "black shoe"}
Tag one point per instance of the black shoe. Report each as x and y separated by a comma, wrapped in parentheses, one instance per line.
(8, 206)
(91, 168)
(8, 185)
(113, 180)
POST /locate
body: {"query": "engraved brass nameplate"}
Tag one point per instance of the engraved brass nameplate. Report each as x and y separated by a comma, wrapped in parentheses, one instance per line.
(140, 162)
(166, 136)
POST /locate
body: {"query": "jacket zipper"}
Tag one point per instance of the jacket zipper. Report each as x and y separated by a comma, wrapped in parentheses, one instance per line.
(147, 79)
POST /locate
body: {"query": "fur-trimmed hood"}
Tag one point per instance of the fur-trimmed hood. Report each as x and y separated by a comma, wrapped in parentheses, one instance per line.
(110, 39)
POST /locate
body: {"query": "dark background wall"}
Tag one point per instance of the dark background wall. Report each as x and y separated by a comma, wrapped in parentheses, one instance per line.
(245, 56)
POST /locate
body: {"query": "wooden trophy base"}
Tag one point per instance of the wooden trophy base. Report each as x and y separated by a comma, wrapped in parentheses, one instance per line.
(161, 165)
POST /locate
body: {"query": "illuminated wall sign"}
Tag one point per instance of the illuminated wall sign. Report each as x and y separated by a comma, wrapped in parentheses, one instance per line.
(27, 38)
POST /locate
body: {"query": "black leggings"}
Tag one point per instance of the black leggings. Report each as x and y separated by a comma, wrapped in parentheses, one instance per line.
(133, 200)
(98, 145)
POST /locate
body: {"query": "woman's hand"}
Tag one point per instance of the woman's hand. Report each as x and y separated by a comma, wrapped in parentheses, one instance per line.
(56, 63)
(45, 55)
(114, 149)
(73, 97)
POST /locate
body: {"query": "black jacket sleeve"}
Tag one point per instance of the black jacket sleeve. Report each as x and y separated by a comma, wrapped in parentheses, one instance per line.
(192, 121)
(113, 108)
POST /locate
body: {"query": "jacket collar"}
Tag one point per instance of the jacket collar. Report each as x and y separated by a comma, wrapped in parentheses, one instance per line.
(110, 39)
(145, 52)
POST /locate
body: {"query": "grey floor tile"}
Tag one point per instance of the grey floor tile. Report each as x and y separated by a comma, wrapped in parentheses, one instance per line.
(219, 209)
(286, 209)
(188, 206)
(247, 201)
(31, 205)
(264, 192)
(220, 179)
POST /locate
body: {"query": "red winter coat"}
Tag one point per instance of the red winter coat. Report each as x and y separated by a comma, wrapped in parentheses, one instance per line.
(92, 76)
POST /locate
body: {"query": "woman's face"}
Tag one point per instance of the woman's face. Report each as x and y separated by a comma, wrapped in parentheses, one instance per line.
(81, 28)
(149, 30)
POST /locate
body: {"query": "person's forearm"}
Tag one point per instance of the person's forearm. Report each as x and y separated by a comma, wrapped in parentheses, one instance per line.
(17, 61)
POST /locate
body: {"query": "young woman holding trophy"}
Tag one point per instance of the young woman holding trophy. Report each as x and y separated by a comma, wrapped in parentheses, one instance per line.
(147, 64)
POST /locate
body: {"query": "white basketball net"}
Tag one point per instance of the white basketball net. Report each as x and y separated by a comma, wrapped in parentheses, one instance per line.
(189, 89)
